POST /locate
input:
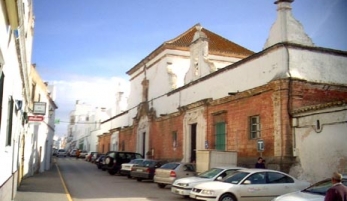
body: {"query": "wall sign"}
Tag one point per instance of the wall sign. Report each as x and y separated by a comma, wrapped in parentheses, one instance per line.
(39, 108)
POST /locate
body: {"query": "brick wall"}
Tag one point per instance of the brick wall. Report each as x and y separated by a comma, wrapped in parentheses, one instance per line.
(273, 103)
(163, 133)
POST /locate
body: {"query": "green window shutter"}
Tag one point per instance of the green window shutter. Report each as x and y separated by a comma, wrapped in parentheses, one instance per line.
(220, 136)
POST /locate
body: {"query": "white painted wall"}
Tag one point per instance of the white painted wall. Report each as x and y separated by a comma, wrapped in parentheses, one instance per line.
(9, 66)
(315, 66)
(166, 73)
(324, 149)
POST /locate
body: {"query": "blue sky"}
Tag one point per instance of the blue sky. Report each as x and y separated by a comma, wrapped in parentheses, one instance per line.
(82, 44)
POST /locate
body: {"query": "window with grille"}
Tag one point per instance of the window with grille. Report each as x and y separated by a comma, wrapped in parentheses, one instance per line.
(220, 142)
(254, 127)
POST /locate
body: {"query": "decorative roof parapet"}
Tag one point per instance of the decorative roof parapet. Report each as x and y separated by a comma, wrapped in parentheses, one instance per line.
(286, 28)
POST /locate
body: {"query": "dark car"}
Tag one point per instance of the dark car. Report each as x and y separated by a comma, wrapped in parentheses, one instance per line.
(114, 160)
(146, 169)
(99, 161)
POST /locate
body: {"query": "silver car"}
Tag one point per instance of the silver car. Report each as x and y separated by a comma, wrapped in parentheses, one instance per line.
(316, 192)
(247, 185)
(184, 186)
(169, 172)
(61, 152)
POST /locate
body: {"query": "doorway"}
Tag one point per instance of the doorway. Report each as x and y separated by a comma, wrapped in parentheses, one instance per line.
(144, 144)
(193, 142)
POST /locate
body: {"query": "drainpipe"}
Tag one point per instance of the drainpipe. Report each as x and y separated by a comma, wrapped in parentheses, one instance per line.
(289, 100)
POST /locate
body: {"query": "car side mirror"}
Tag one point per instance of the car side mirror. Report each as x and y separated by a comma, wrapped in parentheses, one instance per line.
(219, 178)
(247, 182)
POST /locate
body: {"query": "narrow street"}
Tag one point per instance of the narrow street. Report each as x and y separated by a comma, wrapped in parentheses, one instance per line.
(85, 181)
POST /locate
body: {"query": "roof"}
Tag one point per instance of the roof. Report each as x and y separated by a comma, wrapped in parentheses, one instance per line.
(319, 107)
(217, 46)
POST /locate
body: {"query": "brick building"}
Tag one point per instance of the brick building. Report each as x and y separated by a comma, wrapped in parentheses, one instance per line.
(200, 91)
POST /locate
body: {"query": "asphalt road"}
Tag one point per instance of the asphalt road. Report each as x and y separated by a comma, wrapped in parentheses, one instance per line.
(85, 182)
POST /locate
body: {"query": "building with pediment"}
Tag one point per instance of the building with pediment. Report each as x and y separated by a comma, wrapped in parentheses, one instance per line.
(200, 91)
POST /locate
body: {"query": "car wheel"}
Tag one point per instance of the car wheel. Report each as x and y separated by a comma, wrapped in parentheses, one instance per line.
(161, 185)
(99, 167)
(139, 179)
(129, 176)
(227, 197)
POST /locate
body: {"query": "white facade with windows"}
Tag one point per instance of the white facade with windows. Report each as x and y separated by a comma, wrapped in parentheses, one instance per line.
(25, 146)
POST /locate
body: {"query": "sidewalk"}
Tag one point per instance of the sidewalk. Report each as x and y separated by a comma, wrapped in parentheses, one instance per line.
(46, 186)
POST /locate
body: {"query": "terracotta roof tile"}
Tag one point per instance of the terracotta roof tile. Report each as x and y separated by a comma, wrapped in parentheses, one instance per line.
(217, 44)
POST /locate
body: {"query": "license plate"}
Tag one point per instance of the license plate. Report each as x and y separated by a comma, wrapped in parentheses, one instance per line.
(177, 191)
(139, 170)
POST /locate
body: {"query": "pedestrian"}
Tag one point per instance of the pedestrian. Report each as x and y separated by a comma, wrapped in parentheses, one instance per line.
(260, 163)
(77, 154)
(338, 192)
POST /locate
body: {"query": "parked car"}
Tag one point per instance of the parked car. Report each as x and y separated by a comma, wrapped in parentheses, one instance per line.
(258, 184)
(146, 169)
(316, 192)
(83, 154)
(89, 155)
(55, 151)
(126, 167)
(94, 157)
(114, 160)
(169, 172)
(61, 152)
(99, 161)
(184, 186)
(72, 153)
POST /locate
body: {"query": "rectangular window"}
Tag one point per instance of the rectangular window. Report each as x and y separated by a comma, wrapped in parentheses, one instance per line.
(9, 122)
(2, 78)
(220, 136)
(254, 127)
(33, 88)
(174, 139)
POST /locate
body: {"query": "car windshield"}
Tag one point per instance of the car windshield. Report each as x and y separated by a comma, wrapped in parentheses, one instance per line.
(235, 178)
(136, 161)
(169, 166)
(210, 173)
(148, 163)
(321, 187)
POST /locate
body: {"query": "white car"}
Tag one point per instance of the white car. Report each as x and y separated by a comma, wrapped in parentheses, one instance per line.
(316, 192)
(184, 186)
(61, 152)
(126, 167)
(248, 185)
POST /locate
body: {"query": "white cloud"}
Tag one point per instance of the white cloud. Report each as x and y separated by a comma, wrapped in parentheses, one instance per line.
(94, 91)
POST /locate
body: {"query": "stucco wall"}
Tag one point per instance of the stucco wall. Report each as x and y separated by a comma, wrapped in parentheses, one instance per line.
(320, 149)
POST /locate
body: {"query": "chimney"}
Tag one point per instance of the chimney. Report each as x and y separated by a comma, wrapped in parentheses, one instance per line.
(286, 28)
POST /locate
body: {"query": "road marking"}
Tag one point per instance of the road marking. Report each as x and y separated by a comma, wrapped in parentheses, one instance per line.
(62, 181)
